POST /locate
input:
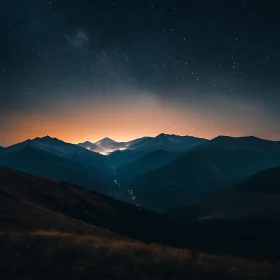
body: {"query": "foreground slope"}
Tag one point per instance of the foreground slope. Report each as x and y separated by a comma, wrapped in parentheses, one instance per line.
(30, 203)
(55, 255)
(256, 197)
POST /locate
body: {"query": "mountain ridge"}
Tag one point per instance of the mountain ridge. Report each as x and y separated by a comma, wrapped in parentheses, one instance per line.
(161, 141)
(255, 196)
(56, 159)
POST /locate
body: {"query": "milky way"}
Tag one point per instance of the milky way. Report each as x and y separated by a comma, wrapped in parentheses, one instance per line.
(83, 70)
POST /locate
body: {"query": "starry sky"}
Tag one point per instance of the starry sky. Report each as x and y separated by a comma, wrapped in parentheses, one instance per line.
(83, 70)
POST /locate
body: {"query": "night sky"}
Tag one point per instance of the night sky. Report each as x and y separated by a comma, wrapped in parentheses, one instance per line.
(86, 69)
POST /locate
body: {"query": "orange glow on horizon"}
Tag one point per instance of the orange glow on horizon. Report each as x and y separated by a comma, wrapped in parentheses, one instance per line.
(121, 123)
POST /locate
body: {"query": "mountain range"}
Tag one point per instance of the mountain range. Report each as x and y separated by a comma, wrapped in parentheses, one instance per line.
(221, 195)
(159, 173)
(207, 168)
(162, 141)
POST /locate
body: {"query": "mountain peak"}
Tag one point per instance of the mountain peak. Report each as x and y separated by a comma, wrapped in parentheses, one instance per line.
(165, 135)
(105, 140)
(47, 137)
(86, 143)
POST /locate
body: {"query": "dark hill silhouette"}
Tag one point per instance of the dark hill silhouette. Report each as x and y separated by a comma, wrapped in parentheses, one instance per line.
(243, 143)
(168, 142)
(31, 203)
(59, 148)
(138, 148)
(256, 196)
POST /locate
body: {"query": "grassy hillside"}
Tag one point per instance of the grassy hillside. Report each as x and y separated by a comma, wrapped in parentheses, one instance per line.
(55, 255)
(33, 203)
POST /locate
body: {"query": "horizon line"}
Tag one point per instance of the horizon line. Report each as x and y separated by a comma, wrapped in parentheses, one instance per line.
(106, 137)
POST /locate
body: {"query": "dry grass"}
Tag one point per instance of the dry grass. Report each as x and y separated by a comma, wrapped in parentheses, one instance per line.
(56, 255)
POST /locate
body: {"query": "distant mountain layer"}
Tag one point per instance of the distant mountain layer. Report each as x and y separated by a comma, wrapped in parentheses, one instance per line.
(107, 145)
(255, 197)
(206, 169)
(149, 144)
(158, 179)
(170, 143)
(243, 143)
(31, 203)
(50, 157)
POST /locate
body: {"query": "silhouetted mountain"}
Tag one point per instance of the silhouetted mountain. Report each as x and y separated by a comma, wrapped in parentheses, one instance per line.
(56, 159)
(148, 144)
(255, 197)
(107, 146)
(60, 148)
(146, 163)
(243, 143)
(110, 144)
(169, 143)
(137, 148)
(29, 203)
(139, 141)
(198, 173)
